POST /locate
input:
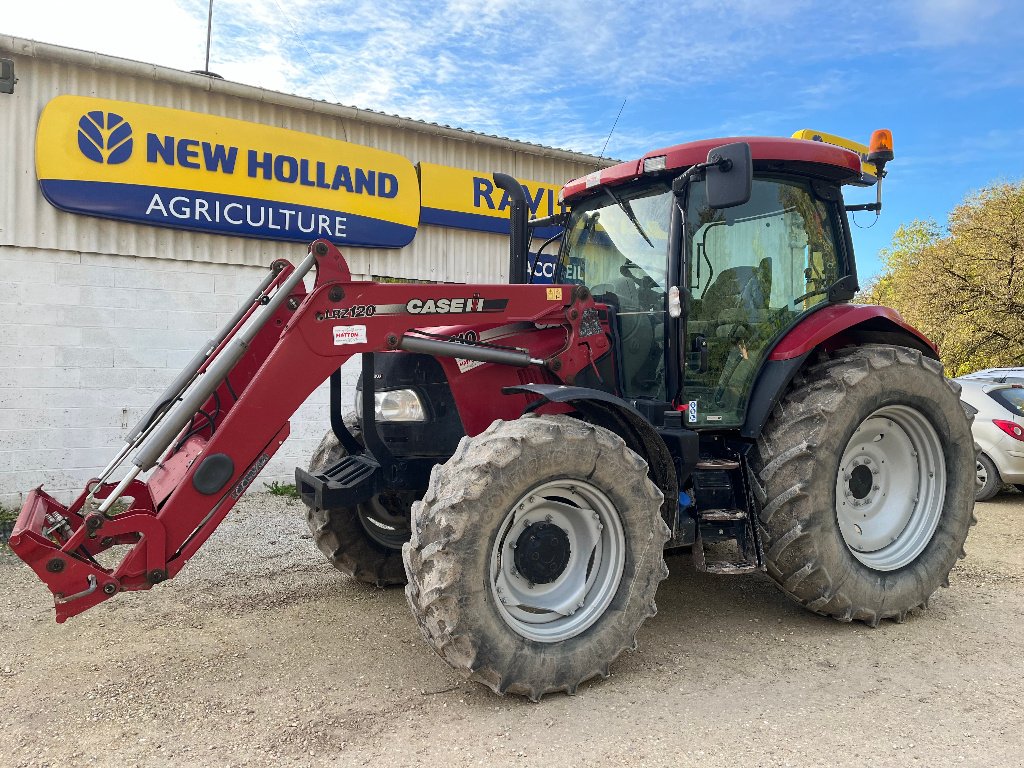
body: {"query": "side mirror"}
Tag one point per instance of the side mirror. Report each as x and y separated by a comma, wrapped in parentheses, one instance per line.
(730, 174)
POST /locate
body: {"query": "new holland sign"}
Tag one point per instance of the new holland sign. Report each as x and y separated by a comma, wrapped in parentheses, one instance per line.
(168, 167)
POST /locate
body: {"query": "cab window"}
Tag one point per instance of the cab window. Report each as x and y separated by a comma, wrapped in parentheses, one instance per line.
(616, 244)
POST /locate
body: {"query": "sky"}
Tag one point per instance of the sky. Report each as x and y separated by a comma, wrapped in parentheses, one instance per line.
(946, 76)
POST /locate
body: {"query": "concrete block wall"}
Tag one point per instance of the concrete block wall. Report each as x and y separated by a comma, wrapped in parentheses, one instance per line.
(87, 343)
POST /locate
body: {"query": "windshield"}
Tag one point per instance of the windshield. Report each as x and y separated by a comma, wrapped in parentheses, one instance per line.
(604, 246)
(616, 244)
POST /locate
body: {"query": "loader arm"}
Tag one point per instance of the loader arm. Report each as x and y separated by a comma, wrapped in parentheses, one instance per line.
(221, 420)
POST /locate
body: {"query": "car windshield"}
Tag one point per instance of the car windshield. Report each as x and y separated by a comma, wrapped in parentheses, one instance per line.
(618, 235)
(617, 245)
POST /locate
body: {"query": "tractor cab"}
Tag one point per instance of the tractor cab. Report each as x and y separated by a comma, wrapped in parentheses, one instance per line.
(699, 287)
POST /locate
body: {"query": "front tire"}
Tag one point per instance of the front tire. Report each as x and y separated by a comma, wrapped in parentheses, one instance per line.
(536, 554)
(866, 474)
(365, 541)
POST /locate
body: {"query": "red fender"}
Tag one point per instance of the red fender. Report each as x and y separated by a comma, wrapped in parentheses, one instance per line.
(840, 325)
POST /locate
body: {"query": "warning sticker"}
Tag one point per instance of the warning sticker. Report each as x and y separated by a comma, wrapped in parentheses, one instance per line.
(467, 365)
(349, 334)
(554, 294)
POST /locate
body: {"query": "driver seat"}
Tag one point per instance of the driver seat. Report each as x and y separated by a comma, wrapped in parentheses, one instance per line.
(734, 316)
(738, 297)
(639, 334)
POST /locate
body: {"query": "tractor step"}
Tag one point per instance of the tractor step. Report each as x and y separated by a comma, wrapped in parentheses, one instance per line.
(723, 523)
(725, 567)
(707, 464)
(721, 515)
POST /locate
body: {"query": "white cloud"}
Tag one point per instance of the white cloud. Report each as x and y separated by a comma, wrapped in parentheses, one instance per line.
(944, 23)
(551, 73)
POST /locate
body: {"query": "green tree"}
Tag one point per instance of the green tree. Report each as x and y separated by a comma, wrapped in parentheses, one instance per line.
(963, 288)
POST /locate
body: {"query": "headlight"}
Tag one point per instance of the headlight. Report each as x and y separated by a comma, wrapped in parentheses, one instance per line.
(394, 405)
(398, 405)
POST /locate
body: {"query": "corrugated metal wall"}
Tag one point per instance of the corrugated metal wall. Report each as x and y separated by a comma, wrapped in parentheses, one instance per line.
(437, 253)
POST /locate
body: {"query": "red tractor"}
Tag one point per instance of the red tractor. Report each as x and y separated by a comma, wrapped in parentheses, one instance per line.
(522, 456)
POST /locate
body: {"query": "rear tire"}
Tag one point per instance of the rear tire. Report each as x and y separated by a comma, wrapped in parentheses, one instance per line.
(989, 482)
(897, 531)
(364, 542)
(472, 531)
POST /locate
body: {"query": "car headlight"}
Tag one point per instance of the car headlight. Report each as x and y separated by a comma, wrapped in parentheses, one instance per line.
(394, 405)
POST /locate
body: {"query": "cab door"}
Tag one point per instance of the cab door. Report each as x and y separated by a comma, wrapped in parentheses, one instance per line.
(752, 271)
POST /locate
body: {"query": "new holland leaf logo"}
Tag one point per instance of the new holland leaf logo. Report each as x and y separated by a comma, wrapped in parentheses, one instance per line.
(105, 137)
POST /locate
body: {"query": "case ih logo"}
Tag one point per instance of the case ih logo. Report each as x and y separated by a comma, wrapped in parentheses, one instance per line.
(454, 306)
(105, 137)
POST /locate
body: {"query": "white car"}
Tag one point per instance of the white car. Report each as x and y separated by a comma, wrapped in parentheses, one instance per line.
(996, 397)
(997, 373)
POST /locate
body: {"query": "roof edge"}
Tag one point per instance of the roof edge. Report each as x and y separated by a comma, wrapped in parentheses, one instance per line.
(19, 46)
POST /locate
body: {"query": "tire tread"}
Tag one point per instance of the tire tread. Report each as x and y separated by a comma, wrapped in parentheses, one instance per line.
(785, 459)
(434, 562)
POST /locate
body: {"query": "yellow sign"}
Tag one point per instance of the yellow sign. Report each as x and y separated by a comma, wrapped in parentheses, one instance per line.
(455, 197)
(554, 294)
(839, 141)
(168, 167)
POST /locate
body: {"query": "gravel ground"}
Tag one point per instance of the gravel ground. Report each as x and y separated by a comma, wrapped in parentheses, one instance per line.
(260, 654)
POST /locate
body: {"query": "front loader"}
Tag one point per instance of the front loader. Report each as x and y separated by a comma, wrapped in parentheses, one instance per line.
(522, 456)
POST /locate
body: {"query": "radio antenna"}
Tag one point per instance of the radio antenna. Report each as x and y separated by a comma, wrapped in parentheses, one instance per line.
(601, 156)
(209, 35)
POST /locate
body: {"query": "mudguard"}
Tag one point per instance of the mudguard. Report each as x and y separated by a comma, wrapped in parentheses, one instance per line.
(656, 446)
(831, 327)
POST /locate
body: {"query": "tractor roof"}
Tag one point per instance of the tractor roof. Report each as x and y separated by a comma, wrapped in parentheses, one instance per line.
(830, 161)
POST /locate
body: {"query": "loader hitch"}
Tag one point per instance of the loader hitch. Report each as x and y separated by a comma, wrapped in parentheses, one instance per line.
(61, 544)
(209, 434)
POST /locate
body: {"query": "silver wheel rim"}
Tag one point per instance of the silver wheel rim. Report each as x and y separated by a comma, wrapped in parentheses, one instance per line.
(982, 475)
(891, 488)
(382, 524)
(579, 596)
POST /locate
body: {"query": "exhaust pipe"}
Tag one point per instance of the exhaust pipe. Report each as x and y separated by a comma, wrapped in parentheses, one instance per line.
(519, 236)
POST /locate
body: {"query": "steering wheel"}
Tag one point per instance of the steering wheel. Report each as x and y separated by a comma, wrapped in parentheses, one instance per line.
(645, 284)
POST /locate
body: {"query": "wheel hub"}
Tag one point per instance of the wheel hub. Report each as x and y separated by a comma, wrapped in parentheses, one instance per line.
(860, 482)
(385, 519)
(557, 560)
(890, 488)
(542, 551)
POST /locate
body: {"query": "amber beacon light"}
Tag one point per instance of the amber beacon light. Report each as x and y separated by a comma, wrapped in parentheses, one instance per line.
(879, 152)
(880, 149)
